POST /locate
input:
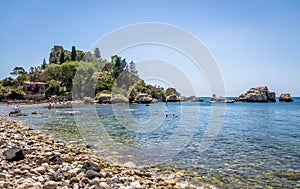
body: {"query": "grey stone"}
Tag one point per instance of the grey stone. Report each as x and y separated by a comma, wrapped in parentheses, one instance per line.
(90, 166)
(91, 174)
(14, 154)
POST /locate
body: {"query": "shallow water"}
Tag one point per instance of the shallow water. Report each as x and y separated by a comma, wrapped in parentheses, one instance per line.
(240, 145)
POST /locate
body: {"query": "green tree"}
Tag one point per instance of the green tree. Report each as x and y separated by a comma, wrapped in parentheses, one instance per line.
(62, 57)
(9, 81)
(53, 71)
(17, 71)
(53, 88)
(105, 82)
(119, 65)
(79, 55)
(44, 64)
(36, 74)
(84, 82)
(68, 70)
(55, 54)
(73, 53)
(97, 53)
(132, 68)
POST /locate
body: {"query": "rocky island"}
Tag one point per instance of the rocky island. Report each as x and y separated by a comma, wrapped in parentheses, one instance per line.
(285, 97)
(257, 94)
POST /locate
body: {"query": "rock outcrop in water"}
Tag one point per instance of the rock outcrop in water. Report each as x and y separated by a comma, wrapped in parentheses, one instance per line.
(258, 94)
(173, 95)
(119, 99)
(103, 98)
(285, 97)
(143, 98)
(195, 99)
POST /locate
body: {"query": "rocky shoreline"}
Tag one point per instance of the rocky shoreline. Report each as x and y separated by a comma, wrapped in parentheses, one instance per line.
(33, 160)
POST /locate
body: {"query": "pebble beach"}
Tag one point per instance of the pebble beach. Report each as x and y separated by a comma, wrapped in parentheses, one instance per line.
(30, 159)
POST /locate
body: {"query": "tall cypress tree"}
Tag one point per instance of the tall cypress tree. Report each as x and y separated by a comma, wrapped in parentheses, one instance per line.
(62, 57)
(73, 53)
(97, 53)
(44, 64)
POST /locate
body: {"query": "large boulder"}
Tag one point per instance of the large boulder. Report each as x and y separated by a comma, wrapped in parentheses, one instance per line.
(14, 154)
(258, 94)
(160, 97)
(285, 97)
(104, 98)
(88, 100)
(132, 94)
(88, 165)
(143, 98)
(119, 99)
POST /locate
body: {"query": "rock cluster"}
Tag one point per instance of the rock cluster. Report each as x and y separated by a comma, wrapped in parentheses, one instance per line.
(143, 98)
(258, 94)
(195, 99)
(104, 98)
(118, 98)
(29, 159)
(285, 97)
(173, 95)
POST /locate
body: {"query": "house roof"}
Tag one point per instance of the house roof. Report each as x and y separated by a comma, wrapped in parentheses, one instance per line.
(34, 83)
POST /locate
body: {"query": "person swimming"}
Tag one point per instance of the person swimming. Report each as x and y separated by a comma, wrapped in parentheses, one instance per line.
(17, 109)
(49, 106)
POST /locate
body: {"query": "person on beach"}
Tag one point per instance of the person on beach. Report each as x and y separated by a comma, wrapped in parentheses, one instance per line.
(17, 109)
(8, 102)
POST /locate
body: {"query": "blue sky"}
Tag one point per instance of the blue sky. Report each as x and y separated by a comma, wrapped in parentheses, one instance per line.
(254, 42)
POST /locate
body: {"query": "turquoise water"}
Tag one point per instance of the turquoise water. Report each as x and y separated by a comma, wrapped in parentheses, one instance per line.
(240, 145)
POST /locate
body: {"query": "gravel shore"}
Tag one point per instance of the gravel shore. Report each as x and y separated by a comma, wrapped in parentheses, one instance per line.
(33, 160)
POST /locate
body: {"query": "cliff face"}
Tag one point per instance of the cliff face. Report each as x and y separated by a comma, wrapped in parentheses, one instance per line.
(258, 94)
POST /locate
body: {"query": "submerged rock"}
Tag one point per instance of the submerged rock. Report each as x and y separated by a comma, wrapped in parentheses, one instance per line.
(258, 94)
(14, 154)
(36, 113)
(285, 97)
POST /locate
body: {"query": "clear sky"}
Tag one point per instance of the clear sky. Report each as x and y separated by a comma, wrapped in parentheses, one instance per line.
(254, 42)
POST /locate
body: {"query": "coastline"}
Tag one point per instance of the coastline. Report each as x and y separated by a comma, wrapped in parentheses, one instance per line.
(51, 164)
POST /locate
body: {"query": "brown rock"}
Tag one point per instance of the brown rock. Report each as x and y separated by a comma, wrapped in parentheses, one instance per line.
(285, 97)
(258, 94)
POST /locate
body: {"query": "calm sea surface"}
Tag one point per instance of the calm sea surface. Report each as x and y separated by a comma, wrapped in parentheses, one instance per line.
(239, 145)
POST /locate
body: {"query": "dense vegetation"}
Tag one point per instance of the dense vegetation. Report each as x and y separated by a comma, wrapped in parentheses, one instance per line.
(78, 74)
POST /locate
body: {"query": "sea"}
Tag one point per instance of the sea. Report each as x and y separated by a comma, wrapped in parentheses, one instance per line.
(238, 145)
